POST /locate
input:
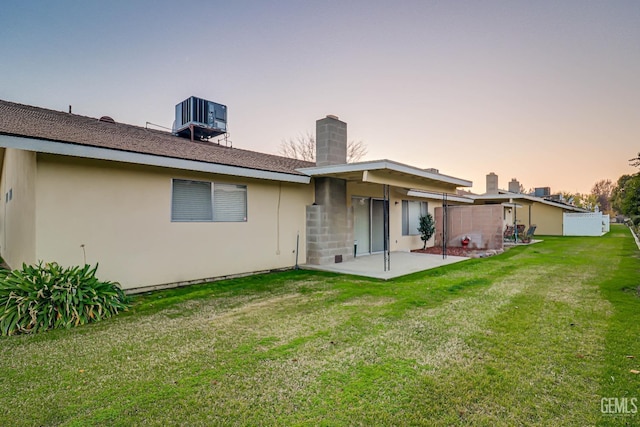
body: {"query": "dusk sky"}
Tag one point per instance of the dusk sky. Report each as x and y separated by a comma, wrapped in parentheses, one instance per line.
(545, 92)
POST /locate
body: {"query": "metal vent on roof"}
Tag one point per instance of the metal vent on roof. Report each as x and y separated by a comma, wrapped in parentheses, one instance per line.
(106, 119)
(198, 118)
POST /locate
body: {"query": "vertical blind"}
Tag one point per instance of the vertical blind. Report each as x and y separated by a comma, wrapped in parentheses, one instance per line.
(195, 201)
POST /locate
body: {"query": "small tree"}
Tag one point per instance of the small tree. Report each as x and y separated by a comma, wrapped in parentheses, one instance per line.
(427, 228)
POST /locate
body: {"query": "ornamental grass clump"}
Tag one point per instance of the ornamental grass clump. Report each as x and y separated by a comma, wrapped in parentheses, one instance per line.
(48, 296)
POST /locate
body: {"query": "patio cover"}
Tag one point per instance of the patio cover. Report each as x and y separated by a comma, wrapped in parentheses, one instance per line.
(394, 174)
(425, 183)
(439, 196)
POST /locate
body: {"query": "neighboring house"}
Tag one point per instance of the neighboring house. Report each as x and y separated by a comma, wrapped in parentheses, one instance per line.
(519, 208)
(157, 210)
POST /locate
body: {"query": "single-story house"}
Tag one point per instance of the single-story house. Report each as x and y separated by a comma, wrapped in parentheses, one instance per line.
(158, 210)
(525, 209)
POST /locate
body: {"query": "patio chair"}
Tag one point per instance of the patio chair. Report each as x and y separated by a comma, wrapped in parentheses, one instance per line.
(509, 234)
(528, 236)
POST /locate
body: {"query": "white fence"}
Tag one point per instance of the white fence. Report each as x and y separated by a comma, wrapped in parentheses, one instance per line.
(585, 224)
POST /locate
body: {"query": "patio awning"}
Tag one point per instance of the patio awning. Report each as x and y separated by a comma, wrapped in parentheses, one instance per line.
(525, 199)
(511, 205)
(390, 173)
(439, 196)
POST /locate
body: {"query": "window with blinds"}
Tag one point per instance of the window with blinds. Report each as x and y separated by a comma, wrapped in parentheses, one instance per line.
(229, 202)
(200, 201)
(412, 210)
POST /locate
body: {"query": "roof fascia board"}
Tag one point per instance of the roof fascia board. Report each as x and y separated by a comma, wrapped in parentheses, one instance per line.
(560, 205)
(516, 196)
(550, 203)
(89, 152)
(384, 164)
(405, 181)
(438, 196)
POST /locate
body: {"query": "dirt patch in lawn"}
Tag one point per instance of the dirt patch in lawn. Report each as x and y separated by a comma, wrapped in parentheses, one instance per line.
(453, 251)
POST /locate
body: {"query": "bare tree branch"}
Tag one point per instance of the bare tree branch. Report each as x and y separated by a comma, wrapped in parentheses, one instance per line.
(356, 150)
(303, 147)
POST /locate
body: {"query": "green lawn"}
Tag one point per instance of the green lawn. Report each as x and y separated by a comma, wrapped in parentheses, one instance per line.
(536, 336)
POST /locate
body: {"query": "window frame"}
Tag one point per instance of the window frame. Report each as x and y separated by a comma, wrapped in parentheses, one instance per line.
(406, 221)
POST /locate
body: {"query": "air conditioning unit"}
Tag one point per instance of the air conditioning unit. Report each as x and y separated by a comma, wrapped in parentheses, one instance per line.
(198, 118)
(542, 191)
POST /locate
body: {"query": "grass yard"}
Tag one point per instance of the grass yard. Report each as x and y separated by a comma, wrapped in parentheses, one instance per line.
(536, 336)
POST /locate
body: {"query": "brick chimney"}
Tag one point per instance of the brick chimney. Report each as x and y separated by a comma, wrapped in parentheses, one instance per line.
(492, 183)
(331, 141)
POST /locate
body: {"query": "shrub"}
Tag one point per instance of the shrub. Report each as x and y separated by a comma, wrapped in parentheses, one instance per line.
(636, 220)
(41, 297)
(426, 228)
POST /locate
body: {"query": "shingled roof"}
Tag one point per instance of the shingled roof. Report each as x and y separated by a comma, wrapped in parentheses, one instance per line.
(40, 123)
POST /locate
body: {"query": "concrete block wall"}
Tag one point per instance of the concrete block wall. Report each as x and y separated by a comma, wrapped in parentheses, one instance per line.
(329, 228)
(331, 141)
(483, 224)
(329, 222)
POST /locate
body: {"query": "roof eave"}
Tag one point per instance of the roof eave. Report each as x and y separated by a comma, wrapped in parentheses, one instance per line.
(439, 196)
(384, 164)
(99, 153)
(516, 196)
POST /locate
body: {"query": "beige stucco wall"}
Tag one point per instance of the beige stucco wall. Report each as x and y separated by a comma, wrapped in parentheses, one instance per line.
(547, 218)
(17, 216)
(397, 241)
(522, 215)
(407, 243)
(122, 214)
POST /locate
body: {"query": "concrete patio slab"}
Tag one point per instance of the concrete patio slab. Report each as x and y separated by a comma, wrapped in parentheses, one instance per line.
(402, 263)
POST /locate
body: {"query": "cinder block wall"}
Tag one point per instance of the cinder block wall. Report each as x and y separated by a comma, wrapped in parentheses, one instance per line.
(329, 221)
(331, 141)
(481, 223)
(329, 224)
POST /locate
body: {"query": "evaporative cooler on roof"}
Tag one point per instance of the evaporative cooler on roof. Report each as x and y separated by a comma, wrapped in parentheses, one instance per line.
(198, 118)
